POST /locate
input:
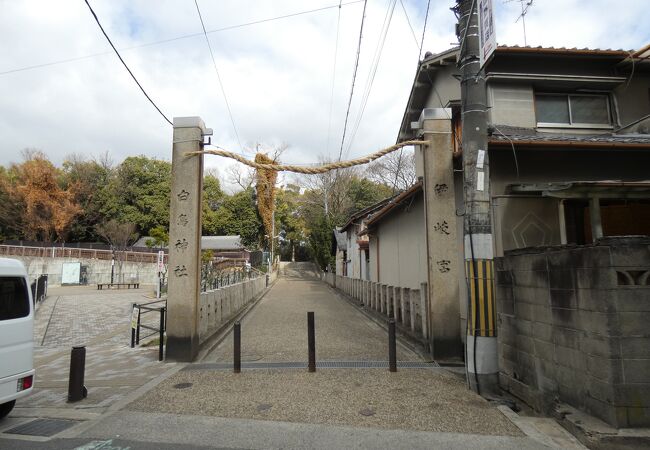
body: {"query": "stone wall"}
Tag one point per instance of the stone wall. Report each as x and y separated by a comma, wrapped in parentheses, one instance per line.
(574, 326)
(219, 306)
(98, 270)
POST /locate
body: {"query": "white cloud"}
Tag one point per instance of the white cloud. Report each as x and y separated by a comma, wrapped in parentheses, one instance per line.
(277, 75)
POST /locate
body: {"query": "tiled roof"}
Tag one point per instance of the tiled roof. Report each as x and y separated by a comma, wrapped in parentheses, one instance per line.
(528, 48)
(221, 243)
(504, 133)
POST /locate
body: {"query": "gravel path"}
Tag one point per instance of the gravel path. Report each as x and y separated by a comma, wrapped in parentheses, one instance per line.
(276, 330)
(412, 399)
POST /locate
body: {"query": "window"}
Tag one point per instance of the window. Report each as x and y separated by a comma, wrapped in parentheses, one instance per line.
(585, 110)
(14, 301)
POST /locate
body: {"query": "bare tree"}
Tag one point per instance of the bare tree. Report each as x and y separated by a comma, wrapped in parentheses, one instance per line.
(396, 170)
(119, 236)
(240, 175)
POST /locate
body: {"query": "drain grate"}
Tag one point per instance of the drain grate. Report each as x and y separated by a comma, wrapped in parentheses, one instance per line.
(42, 427)
(319, 365)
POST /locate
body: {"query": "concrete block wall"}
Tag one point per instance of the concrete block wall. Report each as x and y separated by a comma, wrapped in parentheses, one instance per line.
(219, 306)
(573, 325)
(99, 271)
(406, 305)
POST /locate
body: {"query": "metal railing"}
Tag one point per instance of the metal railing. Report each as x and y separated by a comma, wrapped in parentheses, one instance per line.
(138, 317)
(226, 279)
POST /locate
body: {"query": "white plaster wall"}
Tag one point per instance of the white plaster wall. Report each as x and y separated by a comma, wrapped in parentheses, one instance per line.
(398, 249)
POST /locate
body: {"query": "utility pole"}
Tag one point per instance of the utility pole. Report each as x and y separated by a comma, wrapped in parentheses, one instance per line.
(481, 344)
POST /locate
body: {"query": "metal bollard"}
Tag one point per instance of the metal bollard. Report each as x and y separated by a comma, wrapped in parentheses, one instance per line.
(236, 338)
(132, 328)
(161, 331)
(76, 389)
(392, 350)
(311, 341)
(137, 330)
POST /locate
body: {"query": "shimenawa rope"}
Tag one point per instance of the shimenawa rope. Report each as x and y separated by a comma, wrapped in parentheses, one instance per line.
(308, 170)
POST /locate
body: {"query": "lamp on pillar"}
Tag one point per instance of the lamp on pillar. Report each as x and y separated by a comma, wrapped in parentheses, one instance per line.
(183, 289)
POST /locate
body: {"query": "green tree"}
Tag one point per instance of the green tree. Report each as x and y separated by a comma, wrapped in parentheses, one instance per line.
(88, 180)
(237, 214)
(159, 237)
(320, 241)
(139, 193)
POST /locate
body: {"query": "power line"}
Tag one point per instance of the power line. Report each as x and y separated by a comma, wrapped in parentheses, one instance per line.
(373, 69)
(214, 63)
(127, 67)
(411, 26)
(178, 38)
(424, 29)
(354, 77)
(336, 48)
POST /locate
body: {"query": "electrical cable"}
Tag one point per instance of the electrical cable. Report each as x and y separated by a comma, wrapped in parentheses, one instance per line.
(373, 70)
(214, 63)
(411, 26)
(424, 29)
(354, 77)
(336, 48)
(178, 38)
(127, 67)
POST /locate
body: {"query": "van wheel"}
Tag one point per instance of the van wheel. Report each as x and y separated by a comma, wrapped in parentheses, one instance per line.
(6, 408)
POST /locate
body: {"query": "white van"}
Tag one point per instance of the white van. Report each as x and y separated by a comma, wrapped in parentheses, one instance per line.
(16, 335)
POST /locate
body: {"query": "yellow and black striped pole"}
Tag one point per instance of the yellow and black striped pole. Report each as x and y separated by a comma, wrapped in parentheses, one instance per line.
(481, 343)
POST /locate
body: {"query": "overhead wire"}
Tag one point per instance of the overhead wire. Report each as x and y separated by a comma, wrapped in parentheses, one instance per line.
(214, 63)
(424, 29)
(354, 77)
(373, 70)
(178, 38)
(415, 38)
(125, 66)
(336, 48)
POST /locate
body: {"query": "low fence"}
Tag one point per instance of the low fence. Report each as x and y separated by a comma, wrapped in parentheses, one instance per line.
(407, 306)
(80, 253)
(219, 306)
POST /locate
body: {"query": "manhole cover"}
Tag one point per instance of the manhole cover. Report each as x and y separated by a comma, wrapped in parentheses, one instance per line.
(42, 427)
(264, 407)
(367, 412)
(182, 385)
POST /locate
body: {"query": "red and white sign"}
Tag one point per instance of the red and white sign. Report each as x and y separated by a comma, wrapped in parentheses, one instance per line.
(161, 261)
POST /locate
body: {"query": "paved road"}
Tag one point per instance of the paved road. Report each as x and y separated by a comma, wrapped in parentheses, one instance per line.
(276, 330)
(335, 408)
(412, 399)
(82, 315)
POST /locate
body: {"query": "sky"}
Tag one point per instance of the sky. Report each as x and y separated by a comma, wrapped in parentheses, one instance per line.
(279, 76)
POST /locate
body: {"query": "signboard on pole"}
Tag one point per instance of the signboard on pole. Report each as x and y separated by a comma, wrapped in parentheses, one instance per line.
(487, 36)
(70, 273)
(161, 261)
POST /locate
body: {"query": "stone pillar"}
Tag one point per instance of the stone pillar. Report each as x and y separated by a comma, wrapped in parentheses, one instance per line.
(441, 313)
(185, 241)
